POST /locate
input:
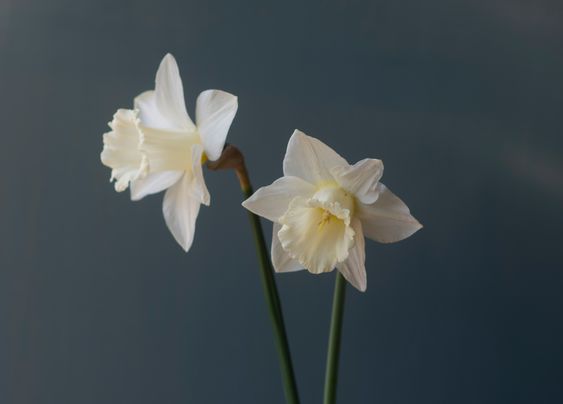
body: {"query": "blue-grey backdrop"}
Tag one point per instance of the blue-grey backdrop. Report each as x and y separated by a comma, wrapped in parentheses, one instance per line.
(462, 100)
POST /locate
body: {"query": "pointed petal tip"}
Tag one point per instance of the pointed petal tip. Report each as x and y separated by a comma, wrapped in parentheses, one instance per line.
(359, 284)
(298, 133)
(416, 225)
(169, 61)
(185, 244)
(361, 289)
(248, 204)
(169, 57)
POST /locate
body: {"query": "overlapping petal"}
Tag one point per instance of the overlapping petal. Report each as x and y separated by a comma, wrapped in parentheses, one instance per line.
(182, 201)
(164, 107)
(154, 183)
(354, 268)
(273, 200)
(361, 179)
(281, 260)
(180, 208)
(215, 111)
(199, 186)
(388, 219)
(310, 159)
(169, 93)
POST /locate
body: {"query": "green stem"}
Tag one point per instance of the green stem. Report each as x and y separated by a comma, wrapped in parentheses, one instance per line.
(271, 294)
(331, 376)
(232, 158)
(274, 306)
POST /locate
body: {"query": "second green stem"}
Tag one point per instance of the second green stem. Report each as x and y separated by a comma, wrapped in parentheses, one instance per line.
(333, 354)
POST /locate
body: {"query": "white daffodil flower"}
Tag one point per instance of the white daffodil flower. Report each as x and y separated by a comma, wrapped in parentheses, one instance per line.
(156, 147)
(322, 207)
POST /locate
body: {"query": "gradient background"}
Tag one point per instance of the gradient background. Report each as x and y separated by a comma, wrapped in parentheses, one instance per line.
(463, 102)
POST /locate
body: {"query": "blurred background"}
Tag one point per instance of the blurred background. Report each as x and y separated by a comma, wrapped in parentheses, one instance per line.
(461, 100)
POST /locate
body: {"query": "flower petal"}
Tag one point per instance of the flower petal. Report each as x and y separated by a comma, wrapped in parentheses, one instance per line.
(153, 183)
(170, 93)
(180, 208)
(388, 219)
(199, 187)
(281, 260)
(149, 114)
(354, 268)
(215, 111)
(273, 200)
(164, 108)
(310, 159)
(360, 179)
(315, 237)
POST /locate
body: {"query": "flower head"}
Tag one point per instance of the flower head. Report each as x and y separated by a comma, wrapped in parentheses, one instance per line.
(322, 207)
(156, 147)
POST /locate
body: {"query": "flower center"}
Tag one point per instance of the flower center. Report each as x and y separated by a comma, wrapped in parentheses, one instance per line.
(317, 231)
(334, 200)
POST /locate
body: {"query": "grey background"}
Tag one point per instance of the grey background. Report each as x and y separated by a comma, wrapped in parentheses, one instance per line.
(462, 100)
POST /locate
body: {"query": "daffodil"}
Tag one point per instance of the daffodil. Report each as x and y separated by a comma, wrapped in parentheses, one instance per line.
(156, 147)
(323, 207)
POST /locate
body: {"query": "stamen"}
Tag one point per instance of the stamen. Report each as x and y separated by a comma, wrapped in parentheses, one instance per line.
(325, 218)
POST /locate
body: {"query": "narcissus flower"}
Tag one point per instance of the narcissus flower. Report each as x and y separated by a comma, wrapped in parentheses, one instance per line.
(156, 147)
(322, 207)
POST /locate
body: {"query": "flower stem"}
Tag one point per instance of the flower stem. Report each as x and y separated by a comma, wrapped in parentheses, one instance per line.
(232, 158)
(331, 376)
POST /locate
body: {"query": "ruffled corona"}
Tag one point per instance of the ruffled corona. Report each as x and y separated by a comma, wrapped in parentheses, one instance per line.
(122, 149)
(316, 234)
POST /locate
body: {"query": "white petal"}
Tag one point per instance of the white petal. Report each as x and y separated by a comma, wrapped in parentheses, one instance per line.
(281, 260)
(388, 219)
(154, 183)
(164, 108)
(180, 208)
(314, 236)
(273, 200)
(310, 159)
(215, 111)
(199, 186)
(149, 114)
(170, 93)
(360, 179)
(354, 268)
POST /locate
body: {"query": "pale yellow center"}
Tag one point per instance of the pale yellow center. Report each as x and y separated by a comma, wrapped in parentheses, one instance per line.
(317, 231)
